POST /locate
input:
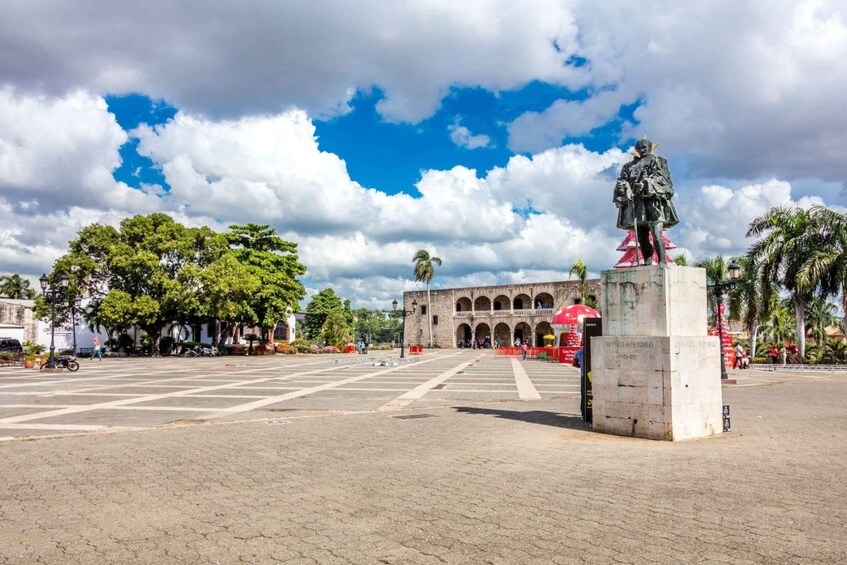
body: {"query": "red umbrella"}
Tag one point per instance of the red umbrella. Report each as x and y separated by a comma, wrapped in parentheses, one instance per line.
(569, 318)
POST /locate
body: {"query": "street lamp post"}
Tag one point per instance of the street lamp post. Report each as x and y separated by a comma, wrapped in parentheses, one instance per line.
(734, 270)
(75, 304)
(53, 291)
(403, 331)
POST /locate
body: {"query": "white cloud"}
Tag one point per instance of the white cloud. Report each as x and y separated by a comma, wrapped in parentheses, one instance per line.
(270, 169)
(255, 57)
(462, 136)
(741, 89)
(536, 131)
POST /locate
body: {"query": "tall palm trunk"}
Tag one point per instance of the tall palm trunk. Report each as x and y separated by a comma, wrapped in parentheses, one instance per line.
(754, 329)
(799, 313)
(429, 314)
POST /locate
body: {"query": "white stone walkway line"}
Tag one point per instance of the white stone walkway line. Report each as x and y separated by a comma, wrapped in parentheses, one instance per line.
(155, 382)
(219, 413)
(416, 393)
(526, 390)
(147, 398)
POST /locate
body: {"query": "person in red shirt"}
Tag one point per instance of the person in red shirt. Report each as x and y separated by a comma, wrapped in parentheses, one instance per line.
(774, 355)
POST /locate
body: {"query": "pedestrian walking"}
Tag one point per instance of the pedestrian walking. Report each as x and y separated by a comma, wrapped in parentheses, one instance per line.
(774, 355)
(98, 353)
(524, 349)
(739, 354)
(783, 355)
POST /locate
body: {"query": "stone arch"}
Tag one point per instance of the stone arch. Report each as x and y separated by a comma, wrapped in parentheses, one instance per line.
(502, 302)
(464, 304)
(482, 304)
(503, 332)
(542, 300)
(522, 331)
(464, 334)
(483, 331)
(542, 329)
(521, 302)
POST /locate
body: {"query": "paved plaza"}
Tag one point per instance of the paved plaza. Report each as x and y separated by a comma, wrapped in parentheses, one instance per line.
(451, 457)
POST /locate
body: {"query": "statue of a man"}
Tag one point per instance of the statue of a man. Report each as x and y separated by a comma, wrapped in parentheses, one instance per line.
(643, 196)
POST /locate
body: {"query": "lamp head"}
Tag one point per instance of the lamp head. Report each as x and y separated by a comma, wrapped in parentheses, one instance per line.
(394, 304)
(43, 280)
(64, 280)
(734, 270)
(414, 306)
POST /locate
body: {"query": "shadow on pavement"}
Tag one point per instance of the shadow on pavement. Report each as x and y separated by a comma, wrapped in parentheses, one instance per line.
(532, 416)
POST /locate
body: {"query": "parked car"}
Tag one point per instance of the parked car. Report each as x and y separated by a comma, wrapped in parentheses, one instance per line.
(10, 345)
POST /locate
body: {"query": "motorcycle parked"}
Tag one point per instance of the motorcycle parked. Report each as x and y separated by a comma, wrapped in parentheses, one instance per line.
(63, 362)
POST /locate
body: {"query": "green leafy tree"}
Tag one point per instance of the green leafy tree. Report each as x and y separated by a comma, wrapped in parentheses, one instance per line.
(335, 330)
(377, 326)
(681, 260)
(146, 273)
(16, 287)
(321, 305)
(349, 316)
(425, 272)
(228, 288)
(787, 238)
(274, 263)
(580, 271)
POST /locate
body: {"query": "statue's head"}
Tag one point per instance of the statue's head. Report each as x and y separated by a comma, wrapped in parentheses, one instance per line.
(643, 146)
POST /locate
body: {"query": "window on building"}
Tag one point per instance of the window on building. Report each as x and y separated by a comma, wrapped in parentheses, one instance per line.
(435, 320)
(458, 307)
(423, 309)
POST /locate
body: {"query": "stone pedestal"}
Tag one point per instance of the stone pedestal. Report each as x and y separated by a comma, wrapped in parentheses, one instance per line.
(655, 371)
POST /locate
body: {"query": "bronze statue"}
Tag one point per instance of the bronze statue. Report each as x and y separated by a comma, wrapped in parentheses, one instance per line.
(643, 196)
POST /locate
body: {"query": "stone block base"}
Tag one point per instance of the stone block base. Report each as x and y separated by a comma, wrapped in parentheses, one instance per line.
(664, 388)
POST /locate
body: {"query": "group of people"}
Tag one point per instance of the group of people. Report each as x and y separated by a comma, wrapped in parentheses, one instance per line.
(785, 355)
(782, 355)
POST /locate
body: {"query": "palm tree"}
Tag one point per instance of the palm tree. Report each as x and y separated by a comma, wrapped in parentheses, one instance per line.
(789, 236)
(826, 266)
(581, 272)
(17, 287)
(424, 272)
(779, 326)
(820, 314)
(716, 272)
(745, 301)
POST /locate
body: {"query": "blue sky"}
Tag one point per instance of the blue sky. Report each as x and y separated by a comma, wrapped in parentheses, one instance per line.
(390, 156)
(488, 132)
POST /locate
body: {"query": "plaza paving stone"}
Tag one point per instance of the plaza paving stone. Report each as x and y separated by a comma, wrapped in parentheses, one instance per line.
(298, 459)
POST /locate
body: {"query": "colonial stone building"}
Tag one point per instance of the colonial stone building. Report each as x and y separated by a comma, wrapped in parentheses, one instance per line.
(503, 313)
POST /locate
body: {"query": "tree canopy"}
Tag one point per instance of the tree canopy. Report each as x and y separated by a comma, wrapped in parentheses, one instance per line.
(274, 264)
(321, 305)
(152, 271)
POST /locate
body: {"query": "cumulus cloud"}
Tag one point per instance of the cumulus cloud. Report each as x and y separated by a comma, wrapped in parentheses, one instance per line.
(462, 136)
(742, 89)
(61, 151)
(536, 131)
(254, 57)
(528, 220)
